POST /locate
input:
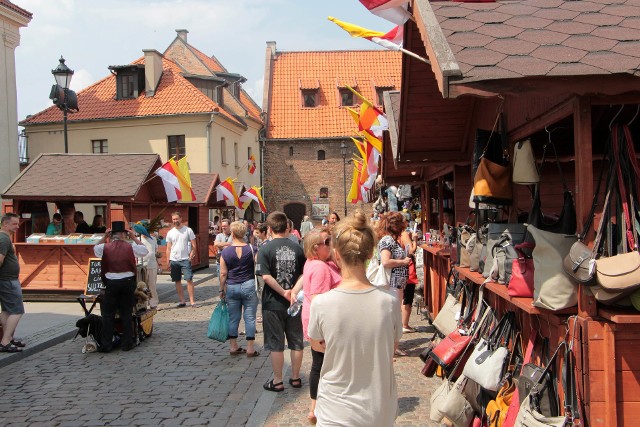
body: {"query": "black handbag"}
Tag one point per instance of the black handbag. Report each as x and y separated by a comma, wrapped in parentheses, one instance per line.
(532, 375)
(566, 222)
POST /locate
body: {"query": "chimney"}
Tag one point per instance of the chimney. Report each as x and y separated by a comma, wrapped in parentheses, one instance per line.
(152, 70)
(268, 66)
(182, 34)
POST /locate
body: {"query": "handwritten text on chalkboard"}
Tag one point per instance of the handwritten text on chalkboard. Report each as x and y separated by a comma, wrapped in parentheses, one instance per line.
(94, 280)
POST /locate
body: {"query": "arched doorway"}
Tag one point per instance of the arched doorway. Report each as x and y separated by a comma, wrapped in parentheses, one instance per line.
(295, 212)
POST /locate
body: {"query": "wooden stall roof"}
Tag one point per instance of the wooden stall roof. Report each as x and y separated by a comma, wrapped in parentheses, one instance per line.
(89, 177)
(504, 49)
(472, 45)
(204, 187)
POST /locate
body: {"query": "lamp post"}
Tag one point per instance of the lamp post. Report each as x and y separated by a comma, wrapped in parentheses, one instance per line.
(343, 151)
(60, 95)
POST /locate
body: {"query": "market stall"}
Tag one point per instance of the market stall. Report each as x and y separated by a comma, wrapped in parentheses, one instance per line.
(125, 183)
(452, 108)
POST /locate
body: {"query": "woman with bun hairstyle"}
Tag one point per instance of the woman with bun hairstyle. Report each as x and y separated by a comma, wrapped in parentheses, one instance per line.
(357, 384)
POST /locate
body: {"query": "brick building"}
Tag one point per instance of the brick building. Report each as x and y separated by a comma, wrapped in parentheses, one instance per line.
(306, 123)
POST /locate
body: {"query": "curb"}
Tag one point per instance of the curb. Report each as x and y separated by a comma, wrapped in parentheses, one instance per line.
(47, 338)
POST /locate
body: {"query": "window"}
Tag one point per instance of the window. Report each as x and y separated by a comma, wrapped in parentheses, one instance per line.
(127, 86)
(99, 146)
(249, 152)
(176, 146)
(310, 98)
(346, 98)
(101, 210)
(379, 94)
(235, 155)
(220, 95)
(321, 154)
(290, 151)
(324, 192)
(223, 151)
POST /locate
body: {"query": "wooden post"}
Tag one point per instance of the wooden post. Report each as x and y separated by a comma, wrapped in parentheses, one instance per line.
(582, 143)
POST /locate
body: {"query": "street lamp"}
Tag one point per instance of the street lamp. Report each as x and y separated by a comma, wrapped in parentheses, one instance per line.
(343, 151)
(62, 97)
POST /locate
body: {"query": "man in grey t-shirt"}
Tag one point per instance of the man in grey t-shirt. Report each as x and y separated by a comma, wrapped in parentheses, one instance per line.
(10, 290)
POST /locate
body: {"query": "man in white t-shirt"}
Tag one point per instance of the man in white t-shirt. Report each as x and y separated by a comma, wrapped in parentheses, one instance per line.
(181, 251)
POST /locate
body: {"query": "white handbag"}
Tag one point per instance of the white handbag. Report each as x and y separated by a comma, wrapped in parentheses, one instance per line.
(447, 319)
(437, 398)
(377, 274)
(485, 366)
(455, 407)
(524, 164)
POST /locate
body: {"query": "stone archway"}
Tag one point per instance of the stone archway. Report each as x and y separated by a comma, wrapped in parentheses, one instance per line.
(295, 212)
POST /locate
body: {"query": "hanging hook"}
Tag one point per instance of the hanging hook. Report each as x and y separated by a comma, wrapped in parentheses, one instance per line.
(634, 116)
(616, 116)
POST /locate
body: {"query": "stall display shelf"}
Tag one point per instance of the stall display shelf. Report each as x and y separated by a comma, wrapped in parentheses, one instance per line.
(617, 315)
(525, 304)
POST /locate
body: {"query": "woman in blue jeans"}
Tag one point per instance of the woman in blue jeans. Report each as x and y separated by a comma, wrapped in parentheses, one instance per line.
(237, 285)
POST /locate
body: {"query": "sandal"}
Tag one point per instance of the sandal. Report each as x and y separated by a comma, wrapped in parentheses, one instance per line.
(237, 351)
(271, 386)
(400, 353)
(295, 382)
(18, 343)
(254, 354)
(9, 348)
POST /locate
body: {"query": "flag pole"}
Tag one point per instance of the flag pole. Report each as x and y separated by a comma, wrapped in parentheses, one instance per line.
(418, 57)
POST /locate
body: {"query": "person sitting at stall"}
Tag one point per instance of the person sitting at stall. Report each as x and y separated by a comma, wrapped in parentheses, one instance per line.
(97, 226)
(81, 224)
(119, 277)
(55, 226)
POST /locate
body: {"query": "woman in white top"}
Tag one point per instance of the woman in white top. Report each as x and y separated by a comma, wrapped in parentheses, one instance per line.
(357, 384)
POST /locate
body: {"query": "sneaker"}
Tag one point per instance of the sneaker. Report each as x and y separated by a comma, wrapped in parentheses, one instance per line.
(181, 305)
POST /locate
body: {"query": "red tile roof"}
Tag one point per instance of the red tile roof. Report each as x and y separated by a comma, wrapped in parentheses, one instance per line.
(328, 70)
(17, 9)
(174, 95)
(521, 38)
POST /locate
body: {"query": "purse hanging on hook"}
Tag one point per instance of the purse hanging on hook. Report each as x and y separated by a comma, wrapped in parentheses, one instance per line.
(492, 180)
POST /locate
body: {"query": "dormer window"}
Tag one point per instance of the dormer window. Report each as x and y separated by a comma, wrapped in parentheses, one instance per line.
(380, 90)
(129, 81)
(310, 98)
(235, 90)
(220, 95)
(346, 98)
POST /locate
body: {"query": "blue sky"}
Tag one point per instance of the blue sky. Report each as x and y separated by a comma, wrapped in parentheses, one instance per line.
(92, 35)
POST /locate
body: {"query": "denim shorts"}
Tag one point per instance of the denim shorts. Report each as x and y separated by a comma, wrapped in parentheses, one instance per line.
(11, 297)
(181, 268)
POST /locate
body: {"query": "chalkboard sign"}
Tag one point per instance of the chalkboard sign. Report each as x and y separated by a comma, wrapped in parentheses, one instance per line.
(94, 280)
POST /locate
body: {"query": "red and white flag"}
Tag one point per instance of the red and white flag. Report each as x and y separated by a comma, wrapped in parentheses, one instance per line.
(253, 194)
(391, 10)
(227, 191)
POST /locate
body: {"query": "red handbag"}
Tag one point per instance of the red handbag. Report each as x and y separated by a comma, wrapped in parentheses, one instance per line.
(413, 274)
(521, 282)
(450, 348)
(514, 407)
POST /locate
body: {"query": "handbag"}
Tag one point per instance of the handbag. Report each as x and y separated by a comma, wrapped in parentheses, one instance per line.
(219, 323)
(429, 368)
(619, 273)
(497, 233)
(377, 274)
(455, 407)
(497, 409)
(447, 319)
(524, 164)
(553, 288)
(492, 177)
(463, 237)
(541, 378)
(521, 283)
(566, 222)
(514, 406)
(437, 397)
(474, 247)
(490, 356)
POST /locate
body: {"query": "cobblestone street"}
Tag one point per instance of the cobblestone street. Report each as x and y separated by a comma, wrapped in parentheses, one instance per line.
(177, 377)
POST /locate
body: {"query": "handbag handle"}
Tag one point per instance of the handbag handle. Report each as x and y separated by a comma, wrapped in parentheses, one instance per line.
(621, 189)
(555, 152)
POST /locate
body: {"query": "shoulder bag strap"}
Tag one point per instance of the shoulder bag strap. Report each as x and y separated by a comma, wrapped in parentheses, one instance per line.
(622, 190)
(596, 195)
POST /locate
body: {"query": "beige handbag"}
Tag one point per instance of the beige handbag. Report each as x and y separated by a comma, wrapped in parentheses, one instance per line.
(524, 164)
(553, 289)
(619, 273)
(455, 407)
(437, 397)
(447, 319)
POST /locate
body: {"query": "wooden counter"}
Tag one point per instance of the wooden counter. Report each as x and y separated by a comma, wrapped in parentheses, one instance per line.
(53, 268)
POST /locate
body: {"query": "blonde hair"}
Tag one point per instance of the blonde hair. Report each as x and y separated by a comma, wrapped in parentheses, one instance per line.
(238, 229)
(354, 239)
(312, 240)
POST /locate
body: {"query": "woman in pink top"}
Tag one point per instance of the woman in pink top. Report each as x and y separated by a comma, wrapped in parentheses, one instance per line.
(320, 276)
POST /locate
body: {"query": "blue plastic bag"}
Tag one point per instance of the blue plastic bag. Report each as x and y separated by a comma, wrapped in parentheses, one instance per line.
(219, 323)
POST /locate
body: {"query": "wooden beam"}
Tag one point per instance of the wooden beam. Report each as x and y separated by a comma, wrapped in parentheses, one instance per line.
(610, 384)
(583, 194)
(558, 112)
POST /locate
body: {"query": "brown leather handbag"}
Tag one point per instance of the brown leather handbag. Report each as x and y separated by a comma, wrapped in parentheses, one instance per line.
(492, 183)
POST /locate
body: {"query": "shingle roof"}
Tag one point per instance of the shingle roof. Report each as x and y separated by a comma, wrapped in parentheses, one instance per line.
(513, 39)
(174, 95)
(291, 70)
(204, 185)
(85, 177)
(17, 9)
